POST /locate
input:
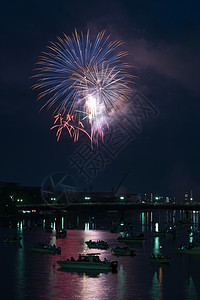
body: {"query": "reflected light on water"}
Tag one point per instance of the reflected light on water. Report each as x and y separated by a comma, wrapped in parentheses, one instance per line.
(195, 217)
(121, 283)
(77, 221)
(160, 277)
(63, 223)
(191, 237)
(157, 289)
(156, 248)
(145, 219)
(20, 278)
(90, 287)
(20, 227)
(33, 275)
(53, 239)
(142, 219)
(156, 227)
(191, 290)
(87, 226)
(151, 219)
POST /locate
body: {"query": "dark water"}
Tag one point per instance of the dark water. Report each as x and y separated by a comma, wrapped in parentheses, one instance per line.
(28, 275)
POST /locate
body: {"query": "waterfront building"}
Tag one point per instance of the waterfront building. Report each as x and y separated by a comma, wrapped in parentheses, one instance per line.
(149, 197)
(189, 197)
(186, 197)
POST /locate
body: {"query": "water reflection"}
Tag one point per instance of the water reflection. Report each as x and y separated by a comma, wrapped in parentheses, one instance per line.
(191, 236)
(146, 219)
(20, 265)
(156, 248)
(156, 227)
(89, 273)
(121, 287)
(151, 220)
(39, 276)
(191, 293)
(63, 223)
(157, 285)
(87, 226)
(195, 218)
(142, 220)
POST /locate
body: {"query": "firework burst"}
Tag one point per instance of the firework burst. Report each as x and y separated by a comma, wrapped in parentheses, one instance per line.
(83, 81)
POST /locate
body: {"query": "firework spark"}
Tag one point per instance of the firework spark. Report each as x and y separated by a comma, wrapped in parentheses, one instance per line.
(84, 81)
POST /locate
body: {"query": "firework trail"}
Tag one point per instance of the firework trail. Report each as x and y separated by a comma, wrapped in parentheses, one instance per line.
(85, 81)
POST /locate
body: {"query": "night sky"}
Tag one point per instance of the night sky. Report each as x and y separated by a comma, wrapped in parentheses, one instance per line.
(163, 38)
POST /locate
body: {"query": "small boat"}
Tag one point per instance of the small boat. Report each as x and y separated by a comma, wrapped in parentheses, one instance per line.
(190, 249)
(61, 233)
(13, 239)
(88, 262)
(44, 248)
(97, 245)
(160, 259)
(131, 237)
(123, 251)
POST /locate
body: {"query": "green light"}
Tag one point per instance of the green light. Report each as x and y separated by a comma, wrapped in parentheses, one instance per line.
(19, 200)
(121, 198)
(87, 198)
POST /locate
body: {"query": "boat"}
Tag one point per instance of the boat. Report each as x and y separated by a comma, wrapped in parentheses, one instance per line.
(97, 245)
(123, 251)
(189, 249)
(88, 262)
(131, 237)
(44, 248)
(13, 239)
(160, 259)
(61, 233)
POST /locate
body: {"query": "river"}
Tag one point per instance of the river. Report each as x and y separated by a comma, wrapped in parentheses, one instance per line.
(29, 275)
